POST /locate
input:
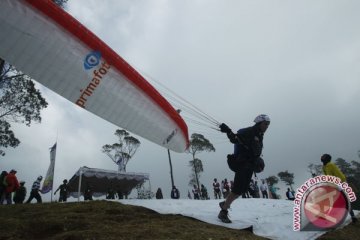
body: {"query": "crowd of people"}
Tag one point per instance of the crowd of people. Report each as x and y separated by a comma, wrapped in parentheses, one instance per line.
(14, 191)
(220, 190)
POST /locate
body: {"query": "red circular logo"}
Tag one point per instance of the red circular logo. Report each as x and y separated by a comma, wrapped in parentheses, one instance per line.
(325, 206)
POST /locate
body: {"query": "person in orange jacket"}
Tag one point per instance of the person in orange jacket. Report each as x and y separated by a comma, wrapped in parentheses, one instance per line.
(329, 168)
(12, 184)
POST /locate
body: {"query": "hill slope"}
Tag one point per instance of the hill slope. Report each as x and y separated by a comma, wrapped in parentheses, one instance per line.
(111, 220)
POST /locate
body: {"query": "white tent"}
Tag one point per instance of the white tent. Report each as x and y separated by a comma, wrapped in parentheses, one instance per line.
(100, 181)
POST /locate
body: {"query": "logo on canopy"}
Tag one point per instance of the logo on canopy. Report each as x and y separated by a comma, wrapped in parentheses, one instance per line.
(92, 60)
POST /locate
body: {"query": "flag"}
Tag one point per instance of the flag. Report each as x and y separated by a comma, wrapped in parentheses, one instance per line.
(49, 178)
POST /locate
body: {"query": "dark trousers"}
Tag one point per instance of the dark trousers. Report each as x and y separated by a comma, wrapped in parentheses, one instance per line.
(34, 194)
(264, 194)
(242, 181)
(63, 197)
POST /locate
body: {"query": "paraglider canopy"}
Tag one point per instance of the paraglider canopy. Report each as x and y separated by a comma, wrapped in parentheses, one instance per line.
(48, 44)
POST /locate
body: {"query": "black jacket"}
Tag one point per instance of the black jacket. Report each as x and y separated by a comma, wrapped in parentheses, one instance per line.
(248, 142)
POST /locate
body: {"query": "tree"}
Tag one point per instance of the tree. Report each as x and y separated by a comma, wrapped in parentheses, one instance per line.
(198, 144)
(352, 174)
(197, 167)
(344, 166)
(272, 180)
(287, 178)
(120, 153)
(20, 102)
(315, 169)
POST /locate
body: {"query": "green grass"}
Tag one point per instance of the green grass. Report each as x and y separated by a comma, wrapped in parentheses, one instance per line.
(98, 220)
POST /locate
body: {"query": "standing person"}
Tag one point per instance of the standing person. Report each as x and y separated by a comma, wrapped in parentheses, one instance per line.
(290, 195)
(272, 190)
(231, 185)
(251, 188)
(159, 194)
(226, 188)
(216, 186)
(88, 193)
(12, 184)
(110, 194)
(263, 189)
(20, 194)
(330, 168)
(189, 195)
(175, 194)
(196, 193)
(204, 193)
(256, 190)
(2, 186)
(222, 187)
(248, 144)
(63, 191)
(35, 189)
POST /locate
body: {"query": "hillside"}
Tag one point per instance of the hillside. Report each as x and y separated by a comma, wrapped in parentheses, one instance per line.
(111, 220)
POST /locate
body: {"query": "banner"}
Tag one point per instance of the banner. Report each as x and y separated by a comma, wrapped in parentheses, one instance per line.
(49, 178)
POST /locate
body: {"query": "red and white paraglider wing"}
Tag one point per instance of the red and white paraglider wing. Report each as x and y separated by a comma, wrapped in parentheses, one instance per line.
(46, 43)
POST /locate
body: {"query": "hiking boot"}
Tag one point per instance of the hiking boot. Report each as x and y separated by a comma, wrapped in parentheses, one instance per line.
(223, 216)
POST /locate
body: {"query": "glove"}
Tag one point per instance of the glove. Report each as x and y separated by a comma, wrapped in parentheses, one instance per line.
(224, 128)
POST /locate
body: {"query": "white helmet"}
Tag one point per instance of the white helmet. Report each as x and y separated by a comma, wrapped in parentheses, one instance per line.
(262, 118)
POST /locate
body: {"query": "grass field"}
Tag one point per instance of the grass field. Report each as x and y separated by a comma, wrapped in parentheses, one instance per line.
(97, 220)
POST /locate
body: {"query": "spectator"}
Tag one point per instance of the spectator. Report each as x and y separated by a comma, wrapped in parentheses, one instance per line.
(196, 193)
(2, 186)
(159, 194)
(35, 189)
(216, 186)
(88, 193)
(12, 184)
(120, 194)
(175, 194)
(256, 190)
(272, 190)
(263, 189)
(20, 194)
(63, 191)
(226, 188)
(110, 194)
(204, 193)
(251, 188)
(290, 195)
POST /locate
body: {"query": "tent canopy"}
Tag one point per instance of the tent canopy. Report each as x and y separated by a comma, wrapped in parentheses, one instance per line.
(100, 181)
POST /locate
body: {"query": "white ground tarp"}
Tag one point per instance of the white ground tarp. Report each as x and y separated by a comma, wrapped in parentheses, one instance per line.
(269, 218)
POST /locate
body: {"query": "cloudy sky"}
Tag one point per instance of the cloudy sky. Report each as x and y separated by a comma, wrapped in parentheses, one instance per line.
(298, 62)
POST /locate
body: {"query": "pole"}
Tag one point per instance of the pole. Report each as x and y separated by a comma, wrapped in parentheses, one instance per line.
(171, 170)
(80, 178)
(52, 184)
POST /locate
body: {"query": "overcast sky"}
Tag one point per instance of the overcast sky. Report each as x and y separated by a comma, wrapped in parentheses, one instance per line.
(297, 61)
